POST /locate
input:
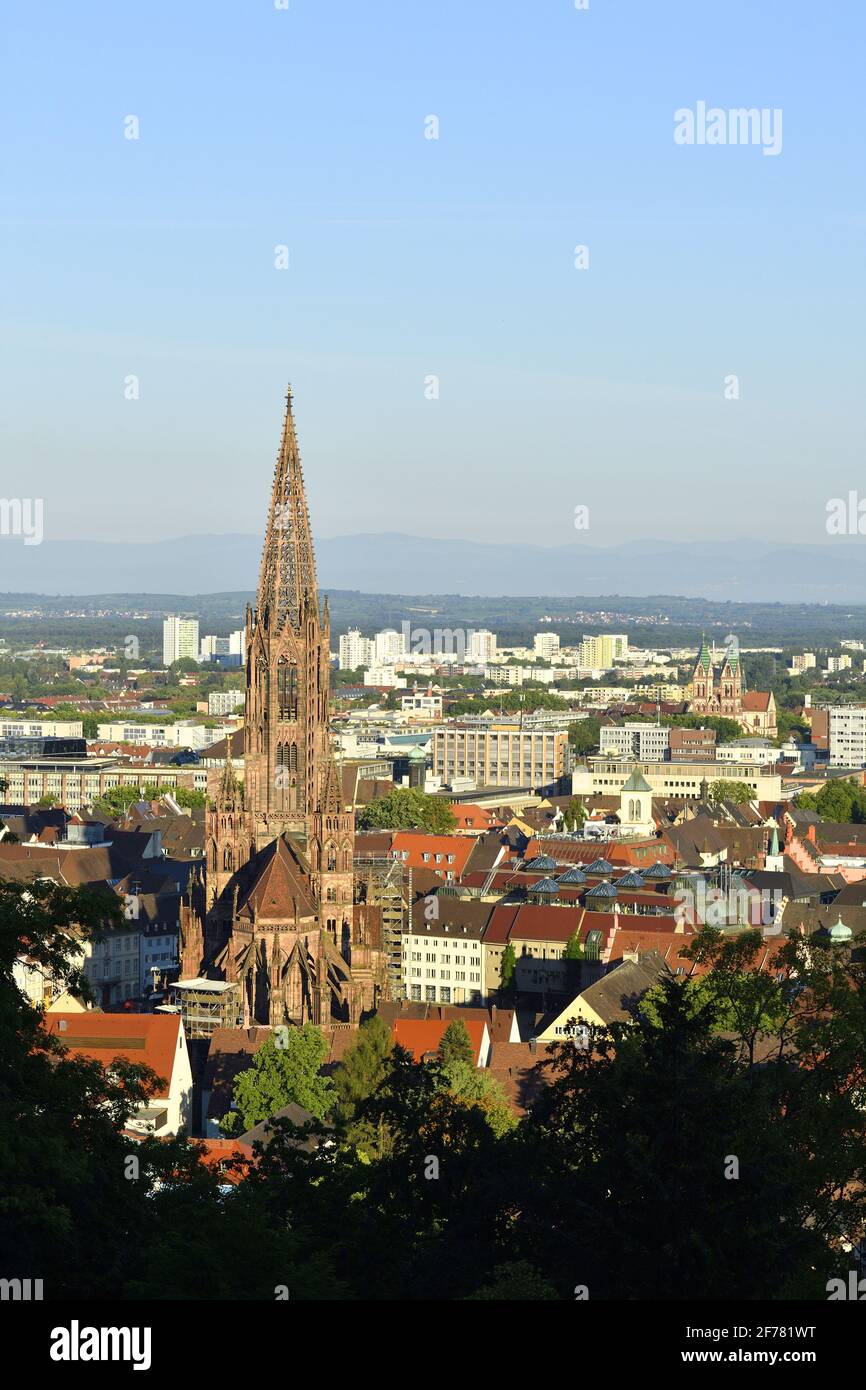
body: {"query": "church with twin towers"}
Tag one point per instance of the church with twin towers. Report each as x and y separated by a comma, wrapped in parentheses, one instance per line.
(277, 913)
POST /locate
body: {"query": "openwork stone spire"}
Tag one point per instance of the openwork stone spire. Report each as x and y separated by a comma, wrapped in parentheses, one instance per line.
(287, 577)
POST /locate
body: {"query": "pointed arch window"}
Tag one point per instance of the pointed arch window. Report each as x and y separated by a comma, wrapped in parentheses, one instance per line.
(293, 758)
(331, 857)
(287, 689)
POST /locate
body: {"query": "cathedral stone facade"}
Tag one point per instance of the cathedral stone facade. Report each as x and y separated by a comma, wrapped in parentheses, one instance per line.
(280, 916)
(717, 692)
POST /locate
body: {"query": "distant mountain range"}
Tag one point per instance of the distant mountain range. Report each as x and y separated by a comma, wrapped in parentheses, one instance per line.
(392, 563)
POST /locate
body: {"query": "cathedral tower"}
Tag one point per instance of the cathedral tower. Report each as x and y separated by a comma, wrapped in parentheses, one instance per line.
(288, 664)
(331, 850)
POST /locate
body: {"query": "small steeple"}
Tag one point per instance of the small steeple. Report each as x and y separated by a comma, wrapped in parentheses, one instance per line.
(229, 796)
(331, 795)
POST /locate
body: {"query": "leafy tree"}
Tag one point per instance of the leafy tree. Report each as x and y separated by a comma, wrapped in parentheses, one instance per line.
(116, 801)
(358, 1076)
(697, 1118)
(47, 800)
(584, 734)
(517, 1281)
(738, 792)
(472, 1085)
(456, 1044)
(285, 1069)
(574, 814)
(508, 970)
(66, 1196)
(408, 808)
(573, 947)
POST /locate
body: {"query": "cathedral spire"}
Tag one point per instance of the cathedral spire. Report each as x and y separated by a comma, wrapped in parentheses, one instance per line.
(287, 577)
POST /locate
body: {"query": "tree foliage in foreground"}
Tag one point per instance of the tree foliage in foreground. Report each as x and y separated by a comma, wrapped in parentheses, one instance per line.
(667, 1160)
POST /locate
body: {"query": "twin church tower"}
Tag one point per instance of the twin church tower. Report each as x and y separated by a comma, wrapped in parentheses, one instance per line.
(279, 916)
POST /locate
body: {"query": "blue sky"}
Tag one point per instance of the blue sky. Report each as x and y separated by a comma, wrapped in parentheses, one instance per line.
(453, 257)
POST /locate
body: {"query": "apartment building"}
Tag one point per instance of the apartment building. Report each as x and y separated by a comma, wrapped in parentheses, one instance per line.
(355, 650)
(41, 728)
(225, 701)
(802, 661)
(546, 645)
(481, 646)
(495, 754)
(646, 742)
(600, 653)
(689, 781)
(442, 963)
(179, 639)
(847, 735)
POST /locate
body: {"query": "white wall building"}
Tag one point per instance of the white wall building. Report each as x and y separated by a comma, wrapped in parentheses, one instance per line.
(179, 639)
(180, 735)
(546, 645)
(422, 706)
(41, 728)
(388, 646)
(847, 735)
(442, 964)
(355, 650)
(224, 701)
(646, 742)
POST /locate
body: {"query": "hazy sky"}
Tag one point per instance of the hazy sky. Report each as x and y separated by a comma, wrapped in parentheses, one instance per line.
(411, 257)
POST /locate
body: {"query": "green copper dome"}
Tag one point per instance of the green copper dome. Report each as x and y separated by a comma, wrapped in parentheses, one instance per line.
(839, 932)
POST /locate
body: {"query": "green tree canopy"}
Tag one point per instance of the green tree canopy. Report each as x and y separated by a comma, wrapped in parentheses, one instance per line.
(407, 808)
(574, 814)
(285, 1069)
(724, 790)
(507, 970)
(456, 1044)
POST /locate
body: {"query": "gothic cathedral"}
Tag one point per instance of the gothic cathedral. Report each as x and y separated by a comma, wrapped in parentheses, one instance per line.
(280, 918)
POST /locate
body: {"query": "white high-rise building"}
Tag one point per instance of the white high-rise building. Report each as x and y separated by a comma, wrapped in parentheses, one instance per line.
(482, 646)
(599, 653)
(389, 646)
(234, 645)
(847, 735)
(355, 650)
(546, 645)
(179, 639)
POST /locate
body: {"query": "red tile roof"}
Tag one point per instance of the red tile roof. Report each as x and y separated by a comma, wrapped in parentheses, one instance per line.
(415, 844)
(422, 1036)
(149, 1038)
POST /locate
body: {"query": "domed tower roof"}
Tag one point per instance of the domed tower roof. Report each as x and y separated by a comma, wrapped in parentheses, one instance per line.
(599, 866)
(601, 890)
(839, 932)
(573, 876)
(548, 887)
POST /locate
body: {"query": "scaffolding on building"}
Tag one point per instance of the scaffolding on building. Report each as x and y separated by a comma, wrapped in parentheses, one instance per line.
(205, 1005)
(382, 885)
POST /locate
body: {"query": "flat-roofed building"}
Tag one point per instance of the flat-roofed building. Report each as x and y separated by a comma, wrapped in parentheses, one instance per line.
(497, 754)
(689, 781)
